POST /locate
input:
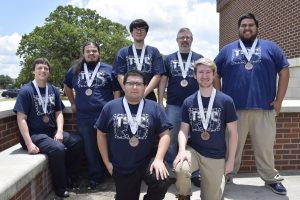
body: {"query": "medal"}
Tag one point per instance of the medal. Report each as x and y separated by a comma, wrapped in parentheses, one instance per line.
(248, 66)
(134, 141)
(139, 62)
(205, 135)
(45, 119)
(184, 83)
(88, 92)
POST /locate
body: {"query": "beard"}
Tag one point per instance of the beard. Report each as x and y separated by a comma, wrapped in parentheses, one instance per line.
(91, 64)
(248, 40)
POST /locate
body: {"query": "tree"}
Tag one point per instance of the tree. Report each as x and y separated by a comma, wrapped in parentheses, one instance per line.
(60, 38)
(5, 81)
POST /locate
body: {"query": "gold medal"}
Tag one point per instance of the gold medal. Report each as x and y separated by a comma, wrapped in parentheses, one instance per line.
(134, 141)
(248, 66)
(88, 92)
(184, 83)
(45, 119)
(205, 135)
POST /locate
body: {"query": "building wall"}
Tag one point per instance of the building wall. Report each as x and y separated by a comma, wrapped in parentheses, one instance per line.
(278, 21)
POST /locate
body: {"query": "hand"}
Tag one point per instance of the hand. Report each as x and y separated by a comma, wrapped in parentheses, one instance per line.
(32, 149)
(73, 107)
(181, 156)
(162, 105)
(277, 106)
(109, 168)
(160, 169)
(228, 167)
(59, 136)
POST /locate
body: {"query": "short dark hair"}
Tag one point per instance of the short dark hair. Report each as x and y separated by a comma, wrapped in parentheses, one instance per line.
(90, 43)
(247, 16)
(138, 23)
(40, 61)
(134, 72)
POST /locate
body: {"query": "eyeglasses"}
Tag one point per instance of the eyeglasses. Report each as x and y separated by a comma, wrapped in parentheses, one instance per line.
(184, 37)
(141, 29)
(136, 84)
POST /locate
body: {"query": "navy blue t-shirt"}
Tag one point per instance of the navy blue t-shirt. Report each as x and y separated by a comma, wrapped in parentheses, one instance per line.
(152, 64)
(105, 82)
(28, 103)
(113, 121)
(256, 88)
(176, 93)
(223, 112)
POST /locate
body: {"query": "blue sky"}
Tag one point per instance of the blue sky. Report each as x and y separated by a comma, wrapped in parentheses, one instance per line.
(19, 17)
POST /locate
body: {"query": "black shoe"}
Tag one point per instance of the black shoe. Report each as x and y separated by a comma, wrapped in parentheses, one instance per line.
(65, 194)
(277, 188)
(196, 181)
(73, 184)
(92, 185)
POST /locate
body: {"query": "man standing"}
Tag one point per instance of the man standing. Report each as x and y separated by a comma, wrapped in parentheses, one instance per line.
(127, 131)
(181, 83)
(206, 114)
(140, 56)
(248, 68)
(40, 120)
(94, 85)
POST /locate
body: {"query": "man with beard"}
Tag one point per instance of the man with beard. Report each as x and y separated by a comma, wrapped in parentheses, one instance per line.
(248, 68)
(94, 85)
(206, 114)
(145, 58)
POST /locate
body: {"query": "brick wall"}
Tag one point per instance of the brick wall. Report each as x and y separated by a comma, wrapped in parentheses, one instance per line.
(287, 146)
(278, 21)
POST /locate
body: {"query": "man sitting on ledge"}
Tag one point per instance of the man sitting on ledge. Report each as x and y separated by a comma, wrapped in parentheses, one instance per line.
(40, 120)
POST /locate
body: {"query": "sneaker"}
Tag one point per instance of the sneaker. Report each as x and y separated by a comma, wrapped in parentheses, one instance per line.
(92, 185)
(181, 197)
(228, 180)
(277, 188)
(73, 184)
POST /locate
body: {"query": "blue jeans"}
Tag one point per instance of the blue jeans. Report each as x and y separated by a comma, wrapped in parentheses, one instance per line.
(64, 158)
(88, 133)
(174, 116)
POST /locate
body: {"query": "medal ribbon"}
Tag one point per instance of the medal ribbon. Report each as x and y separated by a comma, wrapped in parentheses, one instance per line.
(139, 62)
(246, 53)
(205, 120)
(44, 103)
(184, 69)
(134, 124)
(86, 73)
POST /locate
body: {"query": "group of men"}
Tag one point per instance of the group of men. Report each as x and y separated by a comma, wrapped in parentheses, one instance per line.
(136, 139)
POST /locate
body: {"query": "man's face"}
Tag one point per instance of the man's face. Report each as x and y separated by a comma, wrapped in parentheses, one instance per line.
(134, 88)
(248, 30)
(91, 53)
(204, 76)
(139, 34)
(184, 40)
(41, 72)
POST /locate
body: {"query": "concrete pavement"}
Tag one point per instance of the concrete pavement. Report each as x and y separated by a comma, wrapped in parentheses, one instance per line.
(244, 187)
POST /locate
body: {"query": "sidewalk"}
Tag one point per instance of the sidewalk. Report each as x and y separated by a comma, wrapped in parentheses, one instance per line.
(244, 187)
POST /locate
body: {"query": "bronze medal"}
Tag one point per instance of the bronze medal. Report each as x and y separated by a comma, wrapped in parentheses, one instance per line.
(184, 83)
(88, 92)
(248, 66)
(45, 119)
(134, 141)
(205, 135)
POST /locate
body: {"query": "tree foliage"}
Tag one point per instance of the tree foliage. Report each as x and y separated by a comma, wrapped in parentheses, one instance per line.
(5, 81)
(60, 39)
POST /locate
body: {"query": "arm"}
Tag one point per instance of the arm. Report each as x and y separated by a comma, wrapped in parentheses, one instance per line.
(158, 163)
(217, 82)
(102, 146)
(120, 78)
(232, 144)
(70, 95)
(22, 123)
(182, 141)
(283, 82)
(60, 124)
(152, 84)
(161, 89)
(117, 94)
